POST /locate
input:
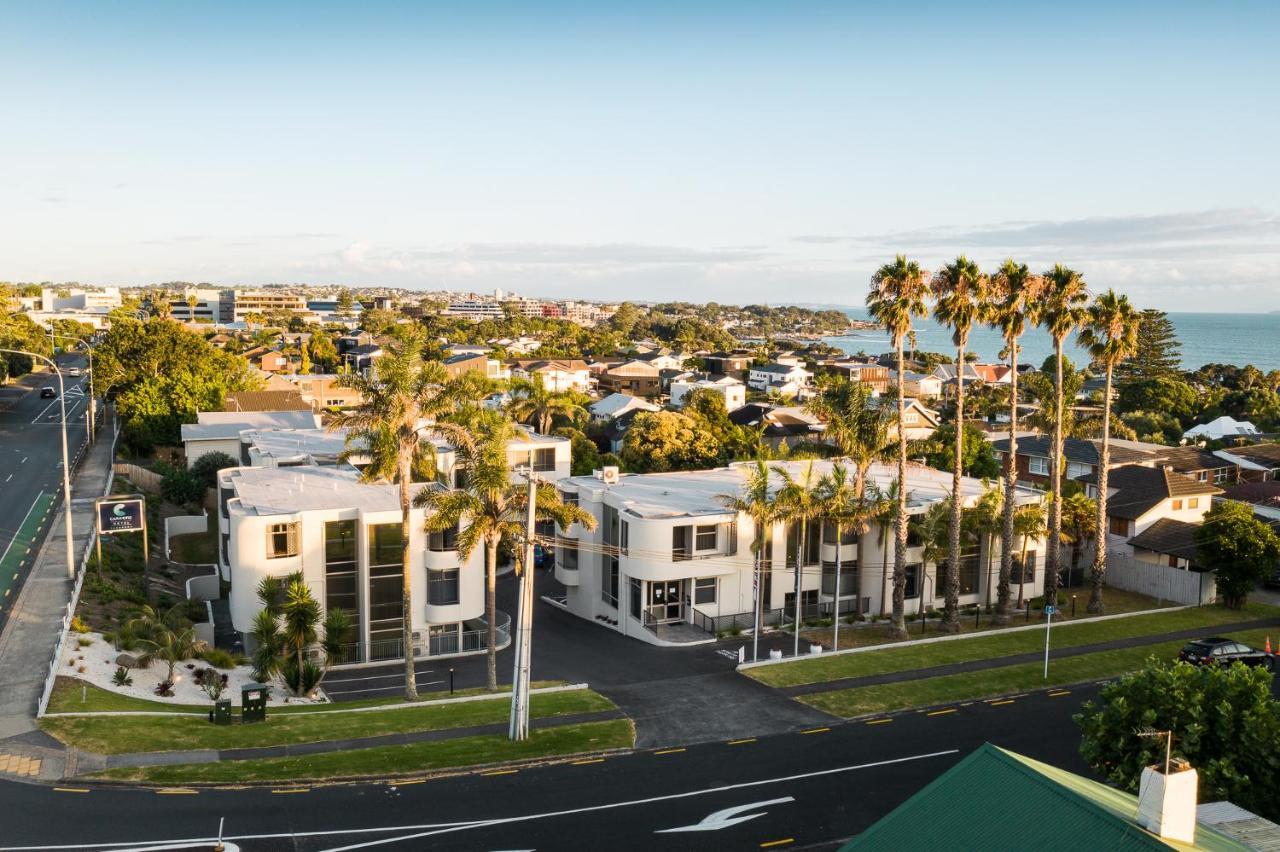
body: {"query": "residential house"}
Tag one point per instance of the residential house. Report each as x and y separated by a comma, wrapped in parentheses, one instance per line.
(635, 377)
(1262, 496)
(617, 404)
(919, 385)
(556, 374)
(1138, 496)
(456, 365)
(1223, 428)
(785, 379)
(733, 391)
(323, 390)
(874, 376)
(219, 431)
(735, 364)
(918, 421)
(362, 358)
(1197, 463)
(664, 359)
(779, 425)
(1082, 457)
(946, 374)
(1167, 542)
(265, 400)
(668, 563)
(993, 374)
(615, 431)
(1255, 461)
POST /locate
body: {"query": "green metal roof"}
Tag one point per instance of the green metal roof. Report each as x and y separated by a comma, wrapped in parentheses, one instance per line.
(997, 800)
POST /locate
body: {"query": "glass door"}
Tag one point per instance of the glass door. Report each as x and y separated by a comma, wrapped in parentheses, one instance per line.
(665, 601)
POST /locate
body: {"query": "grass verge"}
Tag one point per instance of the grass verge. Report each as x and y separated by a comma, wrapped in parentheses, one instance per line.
(393, 760)
(1000, 644)
(123, 734)
(888, 697)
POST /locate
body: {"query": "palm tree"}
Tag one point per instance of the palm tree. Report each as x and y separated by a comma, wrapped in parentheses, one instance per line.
(757, 502)
(987, 519)
(1014, 292)
(896, 298)
(860, 429)
(882, 507)
(960, 294)
(405, 396)
(933, 529)
(1111, 336)
(1079, 519)
(1059, 311)
(539, 407)
(798, 503)
(1029, 524)
(843, 507)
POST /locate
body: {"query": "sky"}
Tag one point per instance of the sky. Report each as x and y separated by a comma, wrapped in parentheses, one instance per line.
(717, 151)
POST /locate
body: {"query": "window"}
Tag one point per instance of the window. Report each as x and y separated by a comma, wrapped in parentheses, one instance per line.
(636, 603)
(1075, 470)
(704, 590)
(544, 459)
(567, 554)
(386, 586)
(848, 578)
(913, 580)
(1118, 526)
(442, 541)
(680, 543)
(282, 540)
(624, 535)
(1220, 476)
(848, 535)
(341, 583)
(1193, 502)
(442, 639)
(1177, 505)
(705, 538)
(609, 581)
(442, 587)
(1038, 465)
(1173, 562)
(1203, 476)
(1017, 574)
(970, 560)
(569, 498)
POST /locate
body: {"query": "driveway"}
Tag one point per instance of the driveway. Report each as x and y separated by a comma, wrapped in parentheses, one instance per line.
(675, 695)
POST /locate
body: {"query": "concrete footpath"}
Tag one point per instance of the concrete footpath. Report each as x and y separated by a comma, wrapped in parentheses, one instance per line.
(33, 628)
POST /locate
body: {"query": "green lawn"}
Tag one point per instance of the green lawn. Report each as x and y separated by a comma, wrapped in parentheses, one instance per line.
(888, 697)
(393, 760)
(999, 644)
(196, 548)
(181, 731)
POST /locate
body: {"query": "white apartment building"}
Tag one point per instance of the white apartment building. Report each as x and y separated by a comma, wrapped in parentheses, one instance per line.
(475, 310)
(733, 391)
(668, 563)
(202, 305)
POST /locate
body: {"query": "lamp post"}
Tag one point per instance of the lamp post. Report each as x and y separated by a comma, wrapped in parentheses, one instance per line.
(66, 462)
(91, 420)
(518, 729)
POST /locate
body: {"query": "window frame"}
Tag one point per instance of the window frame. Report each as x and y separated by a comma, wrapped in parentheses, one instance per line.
(700, 586)
(701, 530)
(445, 579)
(291, 533)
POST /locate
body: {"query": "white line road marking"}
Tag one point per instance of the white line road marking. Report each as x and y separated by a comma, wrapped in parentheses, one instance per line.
(727, 817)
(441, 828)
(7, 478)
(19, 528)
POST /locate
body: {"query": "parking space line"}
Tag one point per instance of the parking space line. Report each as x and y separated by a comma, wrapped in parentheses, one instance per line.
(176, 791)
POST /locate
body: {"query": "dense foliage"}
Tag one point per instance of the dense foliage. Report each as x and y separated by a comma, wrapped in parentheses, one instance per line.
(979, 459)
(1240, 549)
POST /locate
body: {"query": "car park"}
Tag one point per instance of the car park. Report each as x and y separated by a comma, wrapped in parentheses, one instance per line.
(1216, 651)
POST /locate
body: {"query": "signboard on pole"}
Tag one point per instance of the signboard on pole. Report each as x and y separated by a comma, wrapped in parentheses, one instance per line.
(121, 514)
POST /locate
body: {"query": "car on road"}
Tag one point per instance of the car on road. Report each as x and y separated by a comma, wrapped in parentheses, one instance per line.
(48, 393)
(73, 372)
(1223, 652)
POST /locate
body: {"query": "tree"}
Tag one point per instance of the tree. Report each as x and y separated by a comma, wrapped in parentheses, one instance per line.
(1079, 525)
(206, 468)
(799, 502)
(960, 291)
(166, 636)
(939, 451)
(841, 505)
(1110, 336)
(322, 351)
(405, 392)
(706, 407)
(1238, 548)
(1223, 721)
(1059, 311)
(1014, 290)
(182, 487)
(666, 440)
(290, 628)
(1166, 394)
(1029, 525)
(534, 404)
(757, 501)
(346, 303)
(896, 298)
(859, 427)
(986, 520)
(933, 530)
(1157, 355)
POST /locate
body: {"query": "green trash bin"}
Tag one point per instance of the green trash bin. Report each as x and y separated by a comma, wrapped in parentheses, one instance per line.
(253, 702)
(221, 712)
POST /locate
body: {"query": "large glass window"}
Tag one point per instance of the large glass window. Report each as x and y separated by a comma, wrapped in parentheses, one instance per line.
(848, 578)
(341, 576)
(442, 587)
(636, 602)
(970, 560)
(567, 553)
(609, 581)
(705, 537)
(386, 588)
(913, 580)
(282, 540)
(1039, 465)
(442, 541)
(544, 460)
(704, 590)
(1017, 574)
(848, 535)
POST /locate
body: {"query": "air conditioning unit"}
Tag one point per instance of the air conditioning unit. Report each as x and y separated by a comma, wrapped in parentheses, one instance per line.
(609, 475)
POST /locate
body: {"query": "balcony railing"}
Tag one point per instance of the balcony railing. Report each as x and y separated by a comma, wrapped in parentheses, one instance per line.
(465, 641)
(715, 624)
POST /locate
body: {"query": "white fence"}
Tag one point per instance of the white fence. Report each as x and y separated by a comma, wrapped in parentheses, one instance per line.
(183, 525)
(1160, 581)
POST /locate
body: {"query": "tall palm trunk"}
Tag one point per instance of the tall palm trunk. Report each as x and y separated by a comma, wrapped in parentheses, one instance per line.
(1010, 490)
(1052, 555)
(898, 627)
(799, 579)
(835, 609)
(1022, 574)
(951, 592)
(491, 609)
(406, 587)
(884, 570)
(1099, 572)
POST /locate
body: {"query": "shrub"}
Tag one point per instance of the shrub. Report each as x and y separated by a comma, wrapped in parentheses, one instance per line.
(213, 682)
(181, 487)
(165, 689)
(84, 642)
(206, 468)
(79, 626)
(121, 677)
(220, 659)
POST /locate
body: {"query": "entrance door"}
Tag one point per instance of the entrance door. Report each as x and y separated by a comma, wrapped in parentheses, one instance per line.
(665, 600)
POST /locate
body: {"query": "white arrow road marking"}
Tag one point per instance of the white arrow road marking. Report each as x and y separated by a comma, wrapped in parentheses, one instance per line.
(727, 817)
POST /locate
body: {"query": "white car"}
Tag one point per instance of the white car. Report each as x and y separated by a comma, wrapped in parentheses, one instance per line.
(73, 372)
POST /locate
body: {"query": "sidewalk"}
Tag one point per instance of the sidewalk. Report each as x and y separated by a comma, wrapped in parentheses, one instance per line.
(32, 630)
(1015, 659)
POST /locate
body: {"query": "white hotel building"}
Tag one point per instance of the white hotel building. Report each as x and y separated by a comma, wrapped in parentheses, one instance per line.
(668, 563)
(289, 510)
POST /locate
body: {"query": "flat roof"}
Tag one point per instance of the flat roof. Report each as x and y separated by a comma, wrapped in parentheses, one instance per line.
(286, 490)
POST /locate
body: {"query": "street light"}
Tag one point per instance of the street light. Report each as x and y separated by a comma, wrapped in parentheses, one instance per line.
(91, 421)
(66, 463)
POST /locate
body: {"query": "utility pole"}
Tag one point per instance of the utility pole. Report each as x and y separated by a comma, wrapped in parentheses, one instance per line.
(518, 728)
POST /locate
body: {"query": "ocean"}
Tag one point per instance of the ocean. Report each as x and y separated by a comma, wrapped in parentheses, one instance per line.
(1206, 339)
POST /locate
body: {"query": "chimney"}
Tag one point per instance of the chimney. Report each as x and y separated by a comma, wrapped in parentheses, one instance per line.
(1167, 800)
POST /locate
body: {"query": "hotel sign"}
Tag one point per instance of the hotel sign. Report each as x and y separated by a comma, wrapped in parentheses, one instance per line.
(121, 514)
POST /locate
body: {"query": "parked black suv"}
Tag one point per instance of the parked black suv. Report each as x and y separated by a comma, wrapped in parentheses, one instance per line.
(1224, 652)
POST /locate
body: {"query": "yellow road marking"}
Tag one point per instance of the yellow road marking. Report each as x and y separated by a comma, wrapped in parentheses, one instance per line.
(816, 731)
(501, 772)
(176, 791)
(783, 842)
(294, 790)
(998, 703)
(879, 721)
(741, 742)
(942, 712)
(669, 751)
(1059, 694)
(407, 782)
(71, 789)
(590, 760)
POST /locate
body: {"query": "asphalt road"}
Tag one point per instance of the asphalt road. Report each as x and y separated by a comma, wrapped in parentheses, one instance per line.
(812, 789)
(31, 467)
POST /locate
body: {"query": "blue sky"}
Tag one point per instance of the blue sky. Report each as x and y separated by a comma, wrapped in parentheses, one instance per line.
(743, 151)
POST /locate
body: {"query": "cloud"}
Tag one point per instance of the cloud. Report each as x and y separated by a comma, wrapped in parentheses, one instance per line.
(819, 239)
(55, 199)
